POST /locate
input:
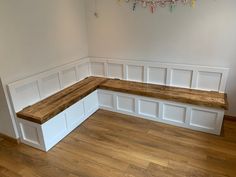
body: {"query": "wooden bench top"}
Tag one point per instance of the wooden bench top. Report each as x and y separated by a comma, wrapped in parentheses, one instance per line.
(49, 107)
(183, 95)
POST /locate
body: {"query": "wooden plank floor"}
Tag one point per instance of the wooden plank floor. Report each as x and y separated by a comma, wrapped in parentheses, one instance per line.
(114, 145)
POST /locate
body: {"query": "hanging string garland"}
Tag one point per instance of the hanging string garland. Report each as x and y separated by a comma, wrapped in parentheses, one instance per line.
(153, 4)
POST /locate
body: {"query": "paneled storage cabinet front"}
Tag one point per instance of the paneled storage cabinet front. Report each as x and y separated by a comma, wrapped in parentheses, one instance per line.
(179, 114)
(47, 135)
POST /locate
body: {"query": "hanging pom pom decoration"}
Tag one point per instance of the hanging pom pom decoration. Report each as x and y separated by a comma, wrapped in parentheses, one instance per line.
(95, 9)
(144, 4)
(153, 4)
(134, 5)
(193, 3)
(172, 5)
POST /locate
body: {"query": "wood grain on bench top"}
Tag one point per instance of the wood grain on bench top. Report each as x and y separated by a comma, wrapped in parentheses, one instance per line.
(183, 95)
(49, 107)
(53, 105)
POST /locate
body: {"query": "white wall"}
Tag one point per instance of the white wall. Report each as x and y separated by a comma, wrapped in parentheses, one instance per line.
(36, 35)
(5, 119)
(205, 35)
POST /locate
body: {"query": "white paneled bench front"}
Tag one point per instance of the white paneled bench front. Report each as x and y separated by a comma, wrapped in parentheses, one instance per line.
(193, 109)
(45, 136)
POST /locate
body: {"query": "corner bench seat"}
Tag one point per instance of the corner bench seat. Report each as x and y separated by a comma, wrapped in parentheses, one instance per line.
(43, 124)
(42, 111)
(53, 105)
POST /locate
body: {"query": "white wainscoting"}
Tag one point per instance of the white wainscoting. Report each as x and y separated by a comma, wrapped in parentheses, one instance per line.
(47, 135)
(179, 75)
(183, 115)
(35, 88)
(28, 91)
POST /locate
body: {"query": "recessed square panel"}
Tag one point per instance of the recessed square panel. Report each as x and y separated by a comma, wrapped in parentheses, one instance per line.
(105, 100)
(30, 133)
(54, 129)
(69, 77)
(75, 115)
(91, 103)
(135, 73)
(97, 69)
(26, 95)
(174, 113)
(83, 71)
(209, 80)
(115, 70)
(50, 85)
(148, 108)
(126, 104)
(181, 78)
(157, 75)
(203, 119)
